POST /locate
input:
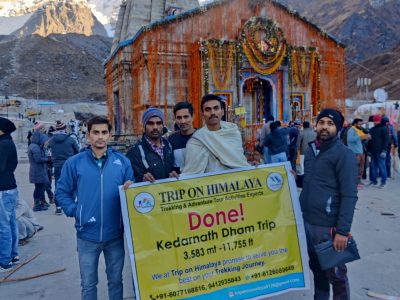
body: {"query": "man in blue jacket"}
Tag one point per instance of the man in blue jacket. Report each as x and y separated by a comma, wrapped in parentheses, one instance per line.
(328, 201)
(88, 191)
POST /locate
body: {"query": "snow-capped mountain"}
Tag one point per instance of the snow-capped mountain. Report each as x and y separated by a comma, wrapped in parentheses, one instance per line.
(204, 2)
(13, 8)
(14, 13)
(59, 41)
(106, 11)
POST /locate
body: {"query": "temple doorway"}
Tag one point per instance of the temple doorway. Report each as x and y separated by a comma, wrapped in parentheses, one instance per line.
(257, 100)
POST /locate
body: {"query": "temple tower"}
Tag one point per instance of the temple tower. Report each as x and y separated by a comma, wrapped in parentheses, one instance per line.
(134, 14)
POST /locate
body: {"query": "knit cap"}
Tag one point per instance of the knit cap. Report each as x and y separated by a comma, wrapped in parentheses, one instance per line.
(385, 120)
(377, 118)
(333, 114)
(6, 125)
(60, 125)
(150, 113)
(38, 126)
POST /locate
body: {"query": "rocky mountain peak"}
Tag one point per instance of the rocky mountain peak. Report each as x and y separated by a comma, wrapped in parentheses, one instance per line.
(61, 17)
(371, 31)
(366, 27)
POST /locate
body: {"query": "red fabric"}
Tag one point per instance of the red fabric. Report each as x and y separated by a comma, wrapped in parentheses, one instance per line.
(376, 118)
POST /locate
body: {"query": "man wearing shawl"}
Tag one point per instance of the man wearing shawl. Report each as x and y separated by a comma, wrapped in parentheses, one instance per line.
(218, 145)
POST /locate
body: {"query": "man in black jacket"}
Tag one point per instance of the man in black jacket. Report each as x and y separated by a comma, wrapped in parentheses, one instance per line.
(183, 113)
(277, 142)
(8, 197)
(328, 201)
(62, 146)
(152, 157)
(377, 149)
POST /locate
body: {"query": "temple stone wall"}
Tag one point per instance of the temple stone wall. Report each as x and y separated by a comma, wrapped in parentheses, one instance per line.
(134, 14)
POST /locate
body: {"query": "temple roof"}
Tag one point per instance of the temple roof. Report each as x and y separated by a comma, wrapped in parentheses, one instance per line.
(202, 9)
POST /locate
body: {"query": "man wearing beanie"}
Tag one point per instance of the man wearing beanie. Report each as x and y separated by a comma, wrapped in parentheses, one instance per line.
(8, 197)
(328, 201)
(62, 147)
(152, 157)
(377, 147)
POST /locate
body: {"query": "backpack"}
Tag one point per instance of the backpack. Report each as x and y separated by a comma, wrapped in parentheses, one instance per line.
(343, 135)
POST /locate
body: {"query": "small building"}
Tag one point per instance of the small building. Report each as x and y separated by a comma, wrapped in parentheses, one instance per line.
(260, 56)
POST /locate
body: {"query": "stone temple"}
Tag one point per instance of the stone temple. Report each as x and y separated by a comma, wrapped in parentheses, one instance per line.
(134, 14)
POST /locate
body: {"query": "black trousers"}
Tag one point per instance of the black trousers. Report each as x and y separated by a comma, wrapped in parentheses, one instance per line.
(337, 276)
(38, 193)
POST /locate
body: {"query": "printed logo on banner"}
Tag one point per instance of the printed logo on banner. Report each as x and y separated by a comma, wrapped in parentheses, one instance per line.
(144, 203)
(275, 181)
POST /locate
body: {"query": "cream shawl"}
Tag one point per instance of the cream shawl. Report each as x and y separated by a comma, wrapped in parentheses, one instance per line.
(210, 151)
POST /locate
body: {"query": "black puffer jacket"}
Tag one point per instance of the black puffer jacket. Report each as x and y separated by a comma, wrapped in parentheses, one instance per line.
(277, 140)
(8, 163)
(329, 192)
(159, 168)
(379, 139)
(62, 147)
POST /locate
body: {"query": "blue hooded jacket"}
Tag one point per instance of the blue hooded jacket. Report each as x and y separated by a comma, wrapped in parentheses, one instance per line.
(90, 193)
(38, 159)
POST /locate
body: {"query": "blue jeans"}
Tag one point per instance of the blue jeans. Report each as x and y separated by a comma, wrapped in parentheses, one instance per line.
(377, 163)
(56, 177)
(267, 156)
(388, 163)
(280, 157)
(8, 226)
(114, 254)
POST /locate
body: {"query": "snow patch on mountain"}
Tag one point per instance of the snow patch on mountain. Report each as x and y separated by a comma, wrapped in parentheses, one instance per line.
(9, 25)
(13, 8)
(104, 10)
(204, 2)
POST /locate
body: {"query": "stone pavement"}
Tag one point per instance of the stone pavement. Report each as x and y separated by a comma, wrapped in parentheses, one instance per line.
(375, 229)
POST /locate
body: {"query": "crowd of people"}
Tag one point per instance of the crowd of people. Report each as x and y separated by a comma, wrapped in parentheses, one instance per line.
(329, 163)
(374, 143)
(47, 152)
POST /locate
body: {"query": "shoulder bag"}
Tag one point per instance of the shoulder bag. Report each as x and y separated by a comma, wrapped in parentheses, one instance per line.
(328, 257)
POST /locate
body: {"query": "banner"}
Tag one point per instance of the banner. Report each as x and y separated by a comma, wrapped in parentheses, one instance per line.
(238, 234)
